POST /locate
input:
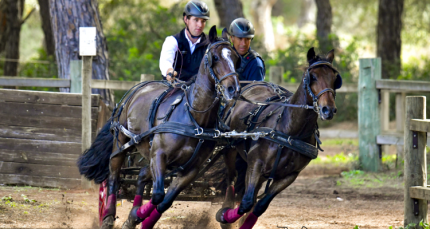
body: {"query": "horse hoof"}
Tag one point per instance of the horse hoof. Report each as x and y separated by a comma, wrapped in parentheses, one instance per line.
(133, 220)
(220, 215)
(108, 222)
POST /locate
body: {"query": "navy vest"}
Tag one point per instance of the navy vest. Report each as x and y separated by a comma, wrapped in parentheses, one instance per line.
(248, 57)
(188, 64)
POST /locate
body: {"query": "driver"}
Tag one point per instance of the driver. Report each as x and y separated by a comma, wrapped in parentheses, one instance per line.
(252, 67)
(182, 53)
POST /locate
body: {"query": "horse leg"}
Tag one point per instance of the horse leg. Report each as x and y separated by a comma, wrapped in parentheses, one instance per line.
(253, 184)
(229, 160)
(263, 204)
(113, 187)
(158, 169)
(142, 181)
(179, 184)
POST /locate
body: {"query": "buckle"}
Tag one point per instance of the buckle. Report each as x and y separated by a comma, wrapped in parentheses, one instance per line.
(199, 131)
(217, 134)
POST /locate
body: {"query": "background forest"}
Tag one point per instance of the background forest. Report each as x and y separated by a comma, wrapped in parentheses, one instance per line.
(135, 31)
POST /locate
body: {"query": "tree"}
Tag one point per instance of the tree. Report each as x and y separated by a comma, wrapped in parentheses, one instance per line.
(66, 18)
(14, 21)
(228, 10)
(49, 42)
(3, 25)
(324, 21)
(304, 17)
(389, 42)
(261, 11)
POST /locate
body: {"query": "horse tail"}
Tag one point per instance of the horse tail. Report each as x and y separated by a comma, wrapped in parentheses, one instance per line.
(94, 162)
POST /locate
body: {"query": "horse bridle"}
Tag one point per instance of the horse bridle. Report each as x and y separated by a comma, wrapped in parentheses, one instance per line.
(307, 82)
(209, 63)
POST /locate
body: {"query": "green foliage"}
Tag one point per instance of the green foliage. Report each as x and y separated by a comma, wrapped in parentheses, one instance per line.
(135, 36)
(414, 226)
(27, 200)
(7, 198)
(335, 160)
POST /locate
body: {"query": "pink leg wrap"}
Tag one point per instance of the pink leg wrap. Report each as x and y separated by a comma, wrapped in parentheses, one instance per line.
(151, 220)
(137, 200)
(249, 222)
(144, 211)
(111, 206)
(231, 215)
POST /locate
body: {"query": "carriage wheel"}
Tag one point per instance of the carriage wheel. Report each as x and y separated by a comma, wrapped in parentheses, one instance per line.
(102, 200)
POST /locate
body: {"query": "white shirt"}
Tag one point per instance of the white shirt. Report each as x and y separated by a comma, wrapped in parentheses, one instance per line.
(170, 46)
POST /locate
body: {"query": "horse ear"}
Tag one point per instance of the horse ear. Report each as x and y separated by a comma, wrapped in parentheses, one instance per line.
(213, 34)
(330, 56)
(311, 54)
(225, 35)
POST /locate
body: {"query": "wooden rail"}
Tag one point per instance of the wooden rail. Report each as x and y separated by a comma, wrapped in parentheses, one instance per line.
(33, 82)
(416, 194)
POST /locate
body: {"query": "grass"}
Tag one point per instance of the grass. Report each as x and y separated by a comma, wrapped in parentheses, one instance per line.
(340, 142)
(338, 159)
(361, 179)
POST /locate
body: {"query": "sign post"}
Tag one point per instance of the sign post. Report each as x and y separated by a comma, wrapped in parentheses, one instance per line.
(87, 49)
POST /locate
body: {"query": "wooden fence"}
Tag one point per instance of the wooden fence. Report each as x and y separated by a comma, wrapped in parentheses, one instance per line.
(40, 137)
(417, 192)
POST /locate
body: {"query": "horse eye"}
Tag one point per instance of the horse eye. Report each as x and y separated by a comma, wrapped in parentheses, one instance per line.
(216, 58)
(313, 77)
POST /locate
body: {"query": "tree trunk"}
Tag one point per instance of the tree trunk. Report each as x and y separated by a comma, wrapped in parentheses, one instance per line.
(324, 21)
(261, 11)
(389, 41)
(14, 12)
(228, 10)
(66, 17)
(49, 42)
(3, 25)
(305, 16)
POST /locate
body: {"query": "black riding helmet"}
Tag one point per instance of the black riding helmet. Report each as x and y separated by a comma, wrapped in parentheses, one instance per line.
(197, 9)
(241, 27)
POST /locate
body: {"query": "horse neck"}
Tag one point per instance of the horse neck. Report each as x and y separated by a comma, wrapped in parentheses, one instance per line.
(202, 96)
(299, 121)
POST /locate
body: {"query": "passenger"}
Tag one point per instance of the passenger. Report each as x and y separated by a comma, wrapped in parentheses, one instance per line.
(252, 67)
(191, 43)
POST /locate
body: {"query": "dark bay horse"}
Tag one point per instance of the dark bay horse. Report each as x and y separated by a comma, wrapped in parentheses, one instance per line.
(190, 105)
(267, 159)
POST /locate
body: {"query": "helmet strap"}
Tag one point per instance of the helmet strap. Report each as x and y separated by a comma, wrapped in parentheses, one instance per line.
(194, 37)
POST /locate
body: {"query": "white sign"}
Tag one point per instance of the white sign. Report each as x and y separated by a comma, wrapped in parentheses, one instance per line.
(87, 41)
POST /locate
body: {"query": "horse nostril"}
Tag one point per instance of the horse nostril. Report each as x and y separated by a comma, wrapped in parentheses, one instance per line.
(325, 110)
(334, 110)
(230, 89)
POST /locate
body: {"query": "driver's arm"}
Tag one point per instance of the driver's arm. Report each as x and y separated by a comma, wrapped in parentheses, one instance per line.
(167, 57)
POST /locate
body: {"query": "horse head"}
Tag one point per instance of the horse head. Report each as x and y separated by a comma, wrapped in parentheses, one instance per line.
(219, 62)
(320, 81)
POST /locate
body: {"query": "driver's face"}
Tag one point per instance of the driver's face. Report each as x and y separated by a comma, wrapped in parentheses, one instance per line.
(195, 25)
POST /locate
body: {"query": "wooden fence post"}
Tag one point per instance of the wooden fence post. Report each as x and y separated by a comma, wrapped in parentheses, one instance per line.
(87, 49)
(415, 160)
(146, 77)
(276, 73)
(87, 68)
(368, 113)
(400, 122)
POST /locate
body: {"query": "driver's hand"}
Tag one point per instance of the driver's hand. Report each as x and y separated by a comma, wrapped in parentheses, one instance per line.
(171, 74)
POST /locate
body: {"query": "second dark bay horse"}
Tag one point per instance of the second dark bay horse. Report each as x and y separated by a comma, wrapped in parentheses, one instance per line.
(287, 123)
(194, 106)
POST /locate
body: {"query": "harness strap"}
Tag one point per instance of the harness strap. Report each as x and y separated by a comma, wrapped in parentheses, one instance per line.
(275, 166)
(276, 103)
